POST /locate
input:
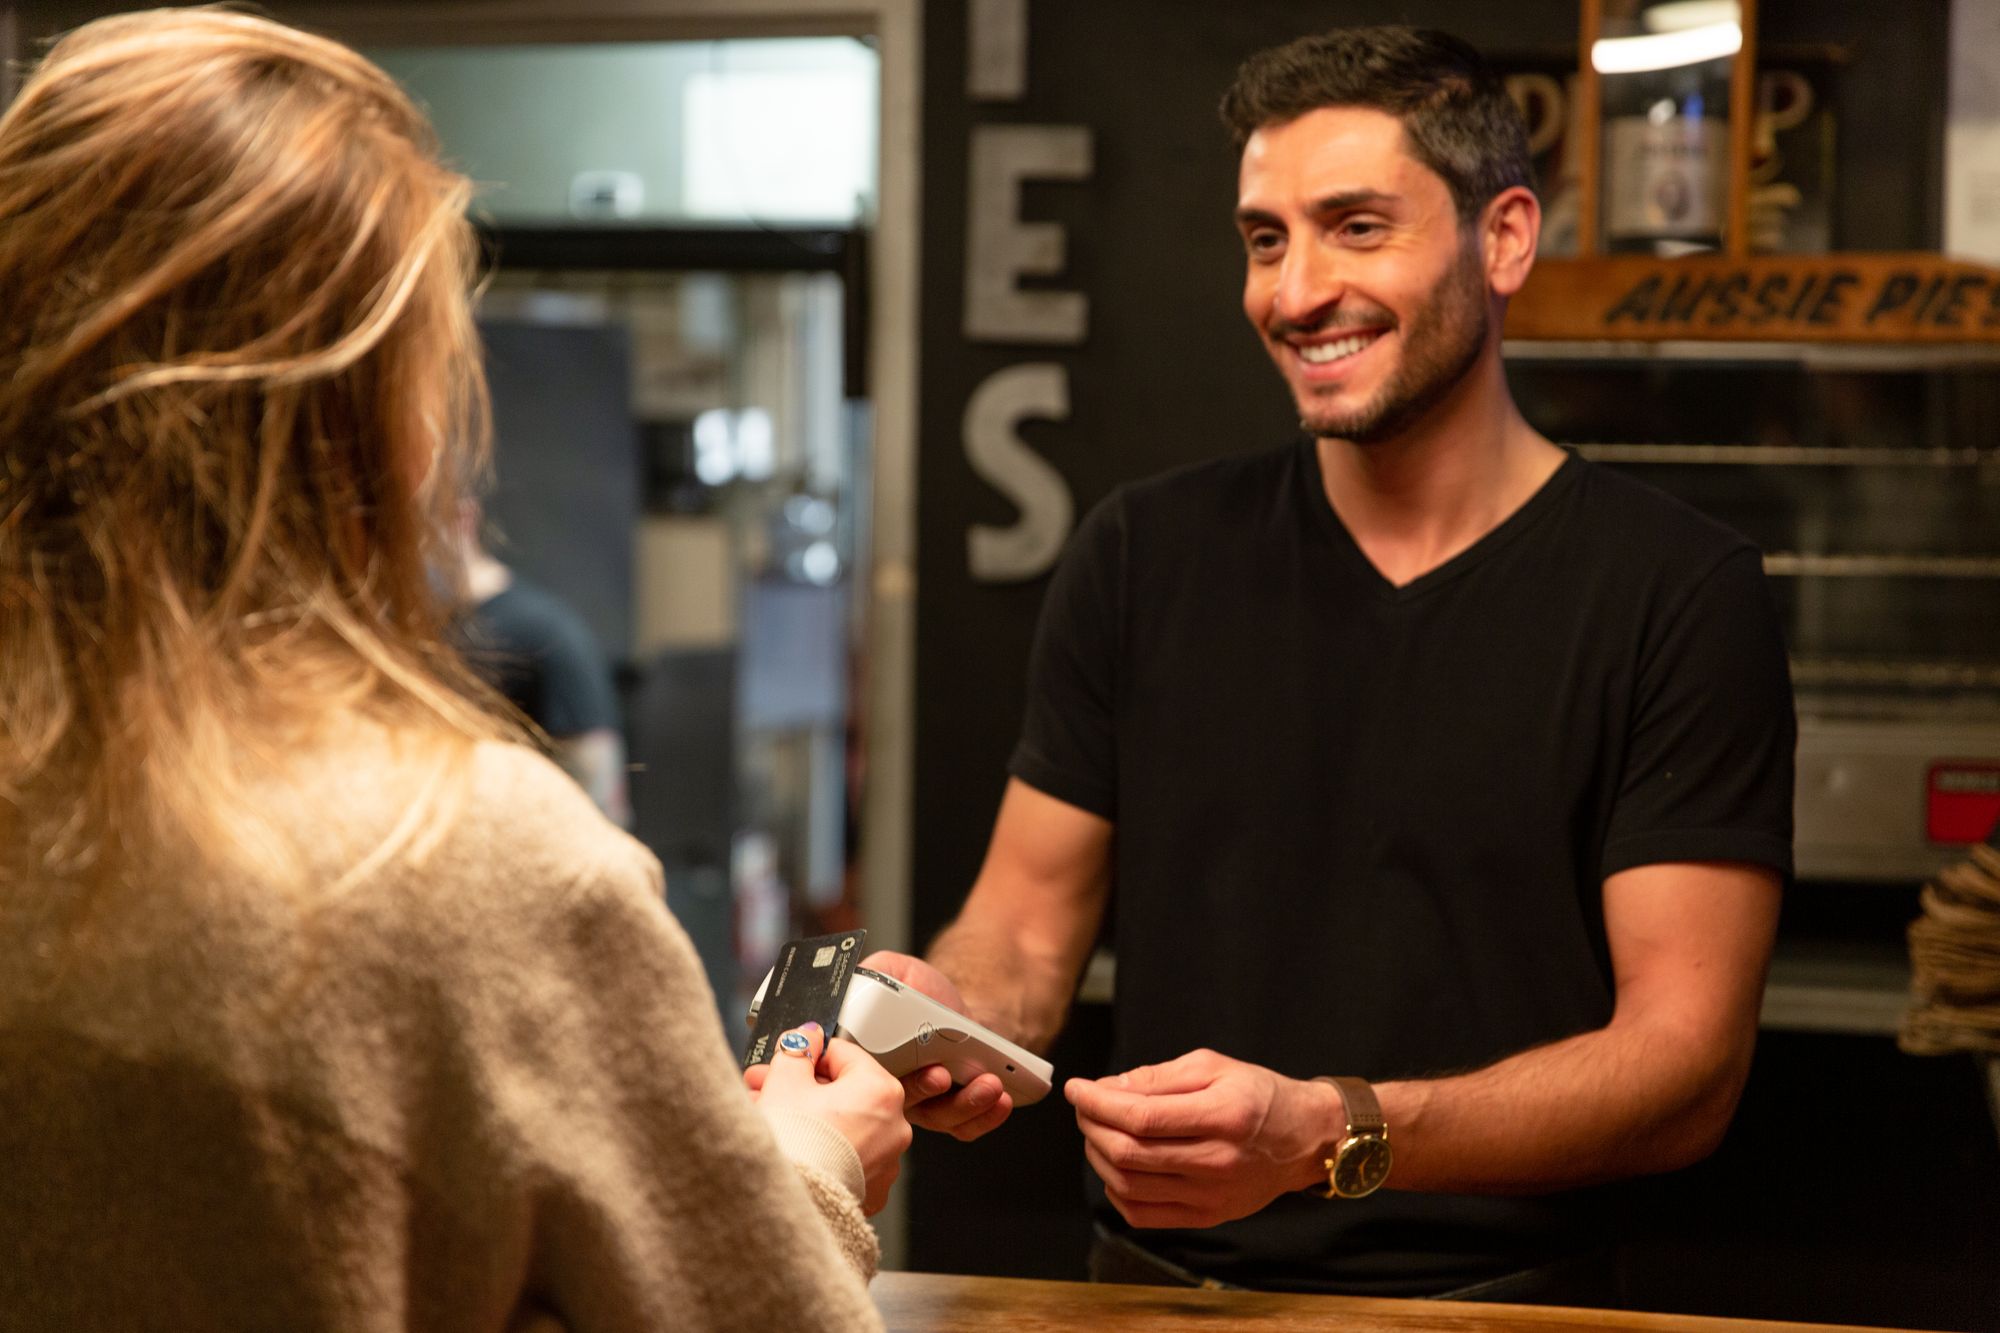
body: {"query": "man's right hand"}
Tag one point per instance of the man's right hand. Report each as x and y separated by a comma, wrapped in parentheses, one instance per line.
(929, 1100)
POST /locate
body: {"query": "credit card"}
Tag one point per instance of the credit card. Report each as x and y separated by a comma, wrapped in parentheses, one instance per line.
(808, 984)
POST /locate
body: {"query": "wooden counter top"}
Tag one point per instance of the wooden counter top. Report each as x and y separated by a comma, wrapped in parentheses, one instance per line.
(942, 1303)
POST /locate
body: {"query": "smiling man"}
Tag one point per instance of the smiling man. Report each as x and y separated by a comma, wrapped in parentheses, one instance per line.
(1442, 778)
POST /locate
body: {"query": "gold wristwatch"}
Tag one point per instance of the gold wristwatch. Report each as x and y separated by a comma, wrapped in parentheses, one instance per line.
(1360, 1161)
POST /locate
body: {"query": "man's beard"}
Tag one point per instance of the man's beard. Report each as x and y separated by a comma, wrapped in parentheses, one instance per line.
(1441, 343)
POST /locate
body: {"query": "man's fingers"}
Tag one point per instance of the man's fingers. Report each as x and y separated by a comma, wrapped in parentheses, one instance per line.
(1133, 1151)
(1184, 1073)
(1178, 1115)
(1137, 1186)
(954, 1106)
(987, 1122)
(966, 1114)
(1151, 1215)
(920, 1085)
(1147, 1199)
(1109, 1172)
(1168, 1156)
(948, 1114)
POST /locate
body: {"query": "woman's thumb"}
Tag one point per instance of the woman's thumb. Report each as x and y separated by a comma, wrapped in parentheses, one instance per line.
(795, 1055)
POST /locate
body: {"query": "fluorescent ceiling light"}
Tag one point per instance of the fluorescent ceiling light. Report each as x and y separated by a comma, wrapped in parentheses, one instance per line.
(1677, 15)
(1666, 50)
(778, 145)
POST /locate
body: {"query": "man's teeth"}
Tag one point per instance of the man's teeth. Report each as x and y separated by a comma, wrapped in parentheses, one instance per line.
(1318, 354)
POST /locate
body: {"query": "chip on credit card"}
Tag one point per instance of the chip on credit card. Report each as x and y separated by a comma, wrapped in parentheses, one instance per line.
(808, 984)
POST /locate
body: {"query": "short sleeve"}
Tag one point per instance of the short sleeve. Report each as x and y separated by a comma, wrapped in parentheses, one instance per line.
(1068, 746)
(576, 681)
(1709, 758)
(541, 655)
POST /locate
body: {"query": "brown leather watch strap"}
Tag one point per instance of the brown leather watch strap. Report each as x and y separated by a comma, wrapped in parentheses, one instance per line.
(1364, 1111)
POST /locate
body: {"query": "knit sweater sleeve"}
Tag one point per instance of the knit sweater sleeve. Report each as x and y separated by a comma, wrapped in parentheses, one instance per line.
(663, 1197)
(834, 1177)
(655, 1194)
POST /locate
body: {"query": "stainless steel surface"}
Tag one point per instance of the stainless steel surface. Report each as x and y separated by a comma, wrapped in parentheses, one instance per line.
(1816, 987)
(1818, 356)
(1863, 772)
(1799, 564)
(1828, 673)
(1787, 455)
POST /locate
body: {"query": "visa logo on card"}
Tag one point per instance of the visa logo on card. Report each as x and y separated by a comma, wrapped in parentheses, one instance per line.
(808, 985)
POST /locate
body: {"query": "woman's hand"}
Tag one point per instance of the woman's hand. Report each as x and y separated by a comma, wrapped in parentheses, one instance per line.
(844, 1086)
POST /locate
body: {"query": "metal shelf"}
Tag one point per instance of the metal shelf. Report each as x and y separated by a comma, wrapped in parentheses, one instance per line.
(1791, 564)
(1818, 987)
(1821, 673)
(1787, 455)
(1807, 355)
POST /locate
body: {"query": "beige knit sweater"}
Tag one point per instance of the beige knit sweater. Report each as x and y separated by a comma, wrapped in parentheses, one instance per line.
(492, 1094)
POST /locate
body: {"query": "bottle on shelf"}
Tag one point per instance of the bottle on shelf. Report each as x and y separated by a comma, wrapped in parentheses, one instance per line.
(1664, 76)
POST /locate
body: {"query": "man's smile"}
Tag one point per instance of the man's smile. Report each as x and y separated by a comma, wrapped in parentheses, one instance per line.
(1337, 349)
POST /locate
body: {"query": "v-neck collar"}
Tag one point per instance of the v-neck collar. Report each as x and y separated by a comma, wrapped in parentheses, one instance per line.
(1525, 516)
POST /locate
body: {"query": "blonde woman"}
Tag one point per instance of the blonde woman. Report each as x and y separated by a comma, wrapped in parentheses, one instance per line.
(323, 1004)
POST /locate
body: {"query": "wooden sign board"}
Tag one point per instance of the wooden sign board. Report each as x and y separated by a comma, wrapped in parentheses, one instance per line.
(1860, 297)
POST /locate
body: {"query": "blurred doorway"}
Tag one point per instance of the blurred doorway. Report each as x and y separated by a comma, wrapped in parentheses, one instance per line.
(677, 457)
(674, 330)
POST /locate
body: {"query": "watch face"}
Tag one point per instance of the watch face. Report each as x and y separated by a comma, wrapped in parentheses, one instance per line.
(1362, 1165)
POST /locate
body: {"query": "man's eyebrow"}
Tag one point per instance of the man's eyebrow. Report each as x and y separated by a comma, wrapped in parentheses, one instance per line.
(1346, 199)
(1252, 216)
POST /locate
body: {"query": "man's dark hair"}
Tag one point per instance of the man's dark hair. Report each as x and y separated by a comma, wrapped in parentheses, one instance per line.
(1455, 111)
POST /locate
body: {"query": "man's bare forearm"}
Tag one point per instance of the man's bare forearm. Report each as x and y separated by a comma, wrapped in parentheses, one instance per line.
(1618, 1102)
(1020, 942)
(1007, 985)
(1652, 1090)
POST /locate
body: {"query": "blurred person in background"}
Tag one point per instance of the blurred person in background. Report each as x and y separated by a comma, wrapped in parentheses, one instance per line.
(325, 1004)
(536, 651)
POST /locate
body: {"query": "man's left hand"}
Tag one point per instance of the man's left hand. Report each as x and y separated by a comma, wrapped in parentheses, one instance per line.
(1203, 1139)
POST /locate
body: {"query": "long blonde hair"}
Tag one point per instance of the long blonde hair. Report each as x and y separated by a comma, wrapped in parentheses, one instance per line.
(240, 395)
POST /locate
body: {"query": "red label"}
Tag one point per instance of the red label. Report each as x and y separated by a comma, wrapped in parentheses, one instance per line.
(1963, 802)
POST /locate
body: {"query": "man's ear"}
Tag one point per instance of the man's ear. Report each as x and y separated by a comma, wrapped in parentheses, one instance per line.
(1509, 229)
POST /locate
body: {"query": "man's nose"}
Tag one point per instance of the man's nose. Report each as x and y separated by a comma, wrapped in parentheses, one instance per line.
(1310, 284)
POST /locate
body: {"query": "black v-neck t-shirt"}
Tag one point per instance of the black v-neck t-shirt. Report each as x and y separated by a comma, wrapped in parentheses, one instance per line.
(1363, 829)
